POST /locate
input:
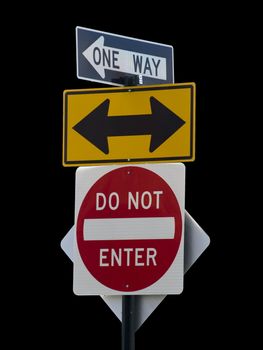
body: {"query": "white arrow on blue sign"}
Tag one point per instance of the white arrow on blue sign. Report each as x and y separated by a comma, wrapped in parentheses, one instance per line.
(115, 59)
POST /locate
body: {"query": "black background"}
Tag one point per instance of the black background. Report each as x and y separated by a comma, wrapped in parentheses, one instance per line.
(206, 46)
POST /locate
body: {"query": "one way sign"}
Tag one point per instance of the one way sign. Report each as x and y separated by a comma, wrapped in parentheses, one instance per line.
(115, 59)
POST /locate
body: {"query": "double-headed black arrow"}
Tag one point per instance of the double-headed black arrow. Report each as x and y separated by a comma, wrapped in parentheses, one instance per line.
(97, 126)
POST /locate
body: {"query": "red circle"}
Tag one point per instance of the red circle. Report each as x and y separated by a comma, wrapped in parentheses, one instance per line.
(127, 275)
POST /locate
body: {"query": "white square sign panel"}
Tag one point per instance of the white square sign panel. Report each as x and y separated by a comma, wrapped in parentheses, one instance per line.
(129, 230)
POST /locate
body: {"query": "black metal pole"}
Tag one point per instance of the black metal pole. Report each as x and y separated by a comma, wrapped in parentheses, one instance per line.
(128, 314)
(128, 301)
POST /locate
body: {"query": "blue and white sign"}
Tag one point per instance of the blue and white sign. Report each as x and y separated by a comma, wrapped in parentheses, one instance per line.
(117, 60)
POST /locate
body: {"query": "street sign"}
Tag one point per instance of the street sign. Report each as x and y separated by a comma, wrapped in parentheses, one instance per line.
(196, 242)
(129, 230)
(131, 124)
(115, 59)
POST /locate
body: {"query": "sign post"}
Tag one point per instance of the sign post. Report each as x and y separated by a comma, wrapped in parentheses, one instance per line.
(128, 322)
(129, 220)
(128, 314)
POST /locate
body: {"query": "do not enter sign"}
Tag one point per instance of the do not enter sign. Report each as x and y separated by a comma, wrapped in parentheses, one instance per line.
(129, 230)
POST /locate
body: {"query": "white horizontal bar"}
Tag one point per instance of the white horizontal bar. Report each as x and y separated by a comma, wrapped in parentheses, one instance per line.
(129, 228)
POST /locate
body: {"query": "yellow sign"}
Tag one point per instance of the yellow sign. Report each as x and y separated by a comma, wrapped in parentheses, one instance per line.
(133, 124)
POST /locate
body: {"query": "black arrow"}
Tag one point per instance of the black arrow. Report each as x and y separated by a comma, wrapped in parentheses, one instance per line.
(97, 126)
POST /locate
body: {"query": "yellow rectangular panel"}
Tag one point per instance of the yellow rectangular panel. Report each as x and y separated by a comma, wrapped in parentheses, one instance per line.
(133, 124)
